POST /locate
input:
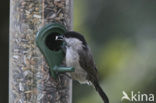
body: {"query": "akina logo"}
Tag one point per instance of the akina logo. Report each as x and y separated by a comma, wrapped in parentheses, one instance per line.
(137, 97)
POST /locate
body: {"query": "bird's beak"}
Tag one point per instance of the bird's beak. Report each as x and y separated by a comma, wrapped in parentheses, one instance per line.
(59, 37)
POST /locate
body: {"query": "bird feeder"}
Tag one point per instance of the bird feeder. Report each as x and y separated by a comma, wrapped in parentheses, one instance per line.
(35, 58)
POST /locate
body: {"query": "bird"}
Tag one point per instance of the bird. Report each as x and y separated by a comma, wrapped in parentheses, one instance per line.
(79, 56)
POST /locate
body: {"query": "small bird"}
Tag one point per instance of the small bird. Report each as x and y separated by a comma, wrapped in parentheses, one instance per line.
(78, 55)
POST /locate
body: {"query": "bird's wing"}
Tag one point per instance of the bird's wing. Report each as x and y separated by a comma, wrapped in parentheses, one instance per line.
(87, 63)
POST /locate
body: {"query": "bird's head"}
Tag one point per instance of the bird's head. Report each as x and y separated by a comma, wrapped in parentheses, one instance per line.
(73, 39)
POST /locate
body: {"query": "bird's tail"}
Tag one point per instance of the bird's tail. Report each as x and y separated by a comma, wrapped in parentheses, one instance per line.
(101, 92)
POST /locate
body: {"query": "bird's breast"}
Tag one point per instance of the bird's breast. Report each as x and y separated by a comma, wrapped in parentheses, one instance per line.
(72, 60)
(72, 57)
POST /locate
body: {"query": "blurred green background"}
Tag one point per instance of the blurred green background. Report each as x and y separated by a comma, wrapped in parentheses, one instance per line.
(122, 37)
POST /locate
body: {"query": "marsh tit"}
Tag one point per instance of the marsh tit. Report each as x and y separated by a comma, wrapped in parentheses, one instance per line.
(78, 55)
